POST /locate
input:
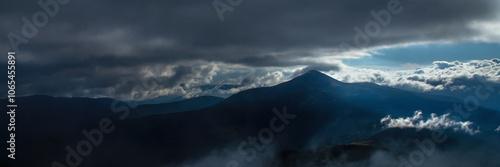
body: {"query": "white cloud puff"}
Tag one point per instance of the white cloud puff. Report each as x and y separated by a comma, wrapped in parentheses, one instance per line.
(433, 123)
(442, 75)
(498, 129)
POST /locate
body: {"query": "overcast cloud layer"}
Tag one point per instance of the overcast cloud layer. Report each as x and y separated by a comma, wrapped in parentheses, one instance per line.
(106, 48)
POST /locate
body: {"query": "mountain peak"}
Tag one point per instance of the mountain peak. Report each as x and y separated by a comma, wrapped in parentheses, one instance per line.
(315, 73)
(316, 78)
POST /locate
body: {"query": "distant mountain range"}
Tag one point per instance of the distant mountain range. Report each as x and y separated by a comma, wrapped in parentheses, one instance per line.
(178, 106)
(312, 114)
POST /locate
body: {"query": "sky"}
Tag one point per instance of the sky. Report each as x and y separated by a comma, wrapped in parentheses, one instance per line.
(190, 48)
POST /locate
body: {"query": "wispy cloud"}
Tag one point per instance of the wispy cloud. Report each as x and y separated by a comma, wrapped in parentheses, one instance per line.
(498, 129)
(433, 123)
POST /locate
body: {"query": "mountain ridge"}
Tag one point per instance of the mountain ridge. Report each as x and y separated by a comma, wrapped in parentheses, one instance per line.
(177, 106)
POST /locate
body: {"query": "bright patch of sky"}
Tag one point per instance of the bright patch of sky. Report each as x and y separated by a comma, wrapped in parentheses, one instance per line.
(412, 56)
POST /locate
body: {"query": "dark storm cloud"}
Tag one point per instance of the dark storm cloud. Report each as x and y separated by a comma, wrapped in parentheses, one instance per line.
(254, 31)
(126, 36)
